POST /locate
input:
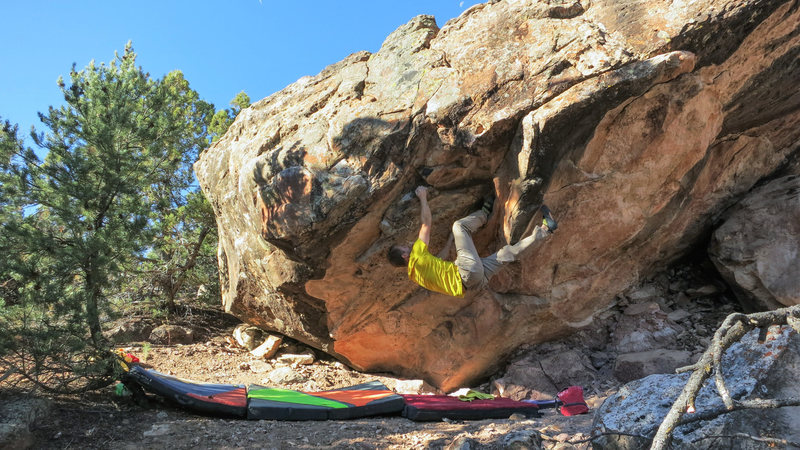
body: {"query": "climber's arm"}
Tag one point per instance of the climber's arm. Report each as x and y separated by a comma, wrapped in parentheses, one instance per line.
(425, 215)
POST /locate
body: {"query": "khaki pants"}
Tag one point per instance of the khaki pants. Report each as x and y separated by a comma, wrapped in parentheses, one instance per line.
(476, 271)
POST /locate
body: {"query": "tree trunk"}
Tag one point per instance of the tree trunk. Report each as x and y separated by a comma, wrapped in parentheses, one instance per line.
(93, 310)
(174, 287)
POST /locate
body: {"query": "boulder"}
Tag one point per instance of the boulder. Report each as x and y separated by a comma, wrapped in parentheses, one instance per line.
(284, 375)
(541, 377)
(632, 366)
(19, 417)
(525, 380)
(410, 386)
(258, 366)
(522, 440)
(248, 336)
(751, 370)
(644, 327)
(637, 123)
(462, 442)
(301, 359)
(129, 330)
(268, 348)
(757, 247)
(171, 335)
(159, 430)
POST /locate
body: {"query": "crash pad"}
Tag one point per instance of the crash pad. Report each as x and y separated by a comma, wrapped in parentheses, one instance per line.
(361, 400)
(438, 407)
(217, 399)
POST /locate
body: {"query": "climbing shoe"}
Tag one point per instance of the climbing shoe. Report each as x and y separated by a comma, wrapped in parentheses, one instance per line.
(488, 204)
(547, 219)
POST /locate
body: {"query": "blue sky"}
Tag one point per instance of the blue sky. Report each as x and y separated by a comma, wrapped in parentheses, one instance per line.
(222, 47)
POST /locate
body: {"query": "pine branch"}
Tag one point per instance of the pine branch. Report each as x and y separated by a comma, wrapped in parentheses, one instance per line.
(56, 380)
(11, 371)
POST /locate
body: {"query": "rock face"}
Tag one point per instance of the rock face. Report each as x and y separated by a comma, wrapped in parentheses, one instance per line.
(757, 249)
(638, 123)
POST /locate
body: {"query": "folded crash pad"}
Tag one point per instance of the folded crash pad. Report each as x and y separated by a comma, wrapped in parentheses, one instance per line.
(438, 407)
(362, 400)
(218, 399)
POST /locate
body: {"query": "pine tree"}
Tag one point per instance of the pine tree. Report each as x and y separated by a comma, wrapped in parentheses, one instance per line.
(182, 259)
(119, 155)
(11, 151)
(223, 118)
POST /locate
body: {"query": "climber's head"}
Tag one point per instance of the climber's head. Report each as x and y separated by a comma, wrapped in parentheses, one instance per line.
(398, 255)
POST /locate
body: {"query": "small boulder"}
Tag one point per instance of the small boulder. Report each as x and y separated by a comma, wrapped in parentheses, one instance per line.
(268, 348)
(129, 330)
(303, 359)
(632, 366)
(171, 334)
(158, 429)
(540, 377)
(463, 442)
(17, 419)
(524, 379)
(644, 328)
(523, 439)
(645, 292)
(258, 366)
(248, 336)
(568, 368)
(679, 315)
(284, 375)
(599, 359)
(411, 387)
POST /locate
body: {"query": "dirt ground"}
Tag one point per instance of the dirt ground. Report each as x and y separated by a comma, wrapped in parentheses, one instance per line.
(102, 419)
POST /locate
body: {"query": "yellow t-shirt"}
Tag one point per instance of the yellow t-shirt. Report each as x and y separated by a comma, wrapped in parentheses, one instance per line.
(433, 273)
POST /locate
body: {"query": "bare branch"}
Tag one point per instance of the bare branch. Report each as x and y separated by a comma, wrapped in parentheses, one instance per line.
(683, 369)
(720, 382)
(606, 433)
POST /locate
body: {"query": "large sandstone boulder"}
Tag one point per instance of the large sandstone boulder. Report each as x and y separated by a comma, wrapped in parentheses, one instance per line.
(757, 248)
(636, 122)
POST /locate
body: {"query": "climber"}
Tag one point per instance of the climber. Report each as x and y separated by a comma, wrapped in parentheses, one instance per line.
(469, 271)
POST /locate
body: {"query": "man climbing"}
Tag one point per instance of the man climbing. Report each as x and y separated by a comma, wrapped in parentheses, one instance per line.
(469, 271)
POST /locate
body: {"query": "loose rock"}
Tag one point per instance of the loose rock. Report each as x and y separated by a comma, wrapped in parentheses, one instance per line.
(171, 334)
(268, 348)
